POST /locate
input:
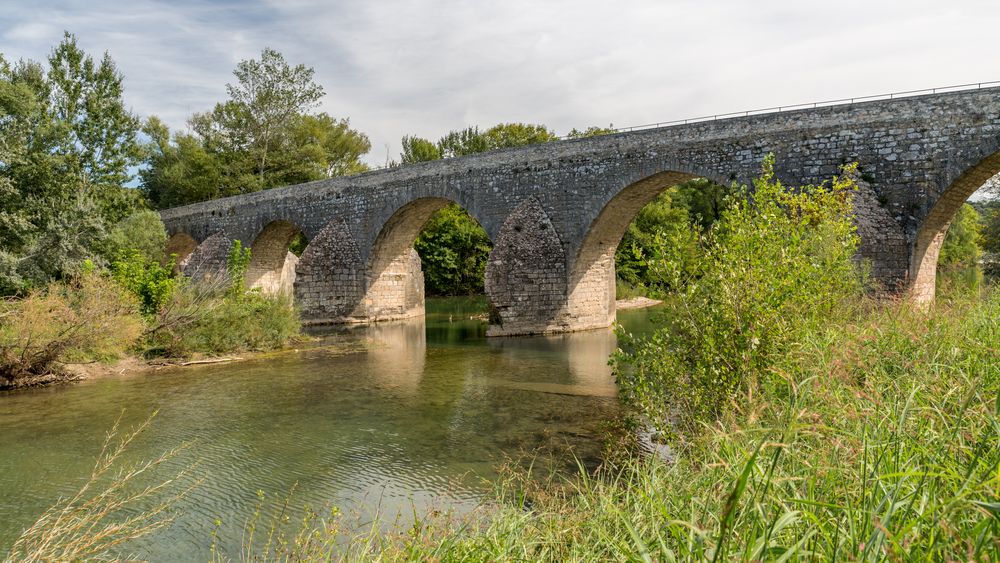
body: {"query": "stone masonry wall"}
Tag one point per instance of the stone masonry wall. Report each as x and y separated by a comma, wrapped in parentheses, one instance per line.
(918, 156)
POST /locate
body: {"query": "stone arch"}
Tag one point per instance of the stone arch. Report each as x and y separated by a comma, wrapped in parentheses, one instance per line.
(526, 274)
(930, 235)
(394, 286)
(208, 261)
(272, 265)
(591, 286)
(178, 250)
(329, 277)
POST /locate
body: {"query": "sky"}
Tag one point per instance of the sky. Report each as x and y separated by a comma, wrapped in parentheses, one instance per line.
(425, 67)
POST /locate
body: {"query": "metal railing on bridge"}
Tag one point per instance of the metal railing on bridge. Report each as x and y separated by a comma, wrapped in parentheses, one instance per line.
(793, 107)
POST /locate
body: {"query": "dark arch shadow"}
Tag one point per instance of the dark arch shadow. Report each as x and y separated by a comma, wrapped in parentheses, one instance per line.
(178, 249)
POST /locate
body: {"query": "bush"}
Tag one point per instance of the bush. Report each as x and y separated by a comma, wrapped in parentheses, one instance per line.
(961, 246)
(141, 233)
(90, 318)
(151, 282)
(777, 265)
(662, 235)
(213, 320)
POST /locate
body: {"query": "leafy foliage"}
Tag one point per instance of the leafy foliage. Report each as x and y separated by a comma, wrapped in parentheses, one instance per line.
(237, 263)
(263, 136)
(961, 245)
(67, 145)
(660, 238)
(454, 249)
(142, 232)
(152, 283)
(774, 267)
(592, 131)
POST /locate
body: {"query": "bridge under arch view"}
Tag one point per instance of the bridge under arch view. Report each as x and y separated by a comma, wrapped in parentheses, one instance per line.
(557, 211)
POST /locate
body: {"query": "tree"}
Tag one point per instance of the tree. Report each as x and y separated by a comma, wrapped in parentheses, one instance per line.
(66, 147)
(101, 136)
(319, 146)
(416, 149)
(263, 136)
(267, 96)
(961, 243)
(592, 131)
(501, 136)
(454, 249)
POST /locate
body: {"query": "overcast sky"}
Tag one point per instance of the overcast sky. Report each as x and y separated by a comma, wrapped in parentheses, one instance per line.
(425, 67)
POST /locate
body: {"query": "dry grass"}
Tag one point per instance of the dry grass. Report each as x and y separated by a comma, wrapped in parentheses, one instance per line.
(113, 507)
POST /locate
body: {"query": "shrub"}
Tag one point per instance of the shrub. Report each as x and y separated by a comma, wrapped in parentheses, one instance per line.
(961, 243)
(200, 319)
(237, 263)
(661, 236)
(92, 317)
(151, 282)
(141, 233)
(778, 264)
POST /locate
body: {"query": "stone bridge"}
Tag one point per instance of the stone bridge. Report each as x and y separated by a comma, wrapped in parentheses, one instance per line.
(557, 211)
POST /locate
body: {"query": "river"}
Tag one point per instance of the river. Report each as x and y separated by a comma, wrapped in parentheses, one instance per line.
(392, 417)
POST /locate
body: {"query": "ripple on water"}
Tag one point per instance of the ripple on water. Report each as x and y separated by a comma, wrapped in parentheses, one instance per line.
(418, 418)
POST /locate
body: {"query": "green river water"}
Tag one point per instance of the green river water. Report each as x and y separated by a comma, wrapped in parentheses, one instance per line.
(393, 418)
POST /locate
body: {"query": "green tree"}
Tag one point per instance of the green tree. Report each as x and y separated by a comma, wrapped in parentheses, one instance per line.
(416, 149)
(454, 249)
(592, 131)
(267, 96)
(319, 146)
(661, 236)
(961, 243)
(142, 233)
(180, 172)
(66, 146)
(263, 136)
(100, 135)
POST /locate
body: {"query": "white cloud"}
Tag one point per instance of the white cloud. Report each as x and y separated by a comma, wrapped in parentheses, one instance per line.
(424, 67)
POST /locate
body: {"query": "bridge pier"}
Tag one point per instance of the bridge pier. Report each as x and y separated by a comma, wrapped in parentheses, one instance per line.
(556, 211)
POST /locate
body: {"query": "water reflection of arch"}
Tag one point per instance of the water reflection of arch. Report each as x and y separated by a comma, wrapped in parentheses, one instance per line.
(584, 354)
(396, 353)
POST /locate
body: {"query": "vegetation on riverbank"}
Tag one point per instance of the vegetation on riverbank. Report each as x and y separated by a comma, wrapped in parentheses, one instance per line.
(138, 308)
(872, 438)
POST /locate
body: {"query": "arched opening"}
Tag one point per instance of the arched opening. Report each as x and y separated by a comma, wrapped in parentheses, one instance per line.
(451, 242)
(272, 260)
(931, 235)
(665, 200)
(178, 250)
